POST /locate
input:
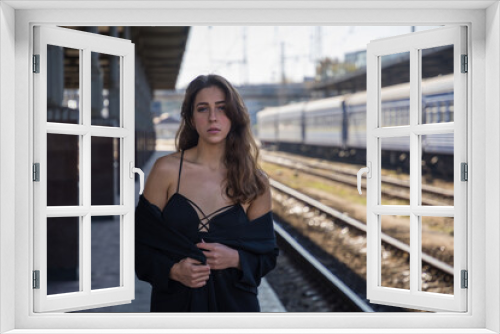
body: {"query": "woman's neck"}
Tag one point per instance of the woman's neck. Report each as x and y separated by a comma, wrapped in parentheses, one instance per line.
(211, 156)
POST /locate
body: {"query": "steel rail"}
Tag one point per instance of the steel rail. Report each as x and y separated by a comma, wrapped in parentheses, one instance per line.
(444, 267)
(321, 270)
(352, 182)
(353, 171)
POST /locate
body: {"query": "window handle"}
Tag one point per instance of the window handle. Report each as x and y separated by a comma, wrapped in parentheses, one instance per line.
(133, 170)
(368, 171)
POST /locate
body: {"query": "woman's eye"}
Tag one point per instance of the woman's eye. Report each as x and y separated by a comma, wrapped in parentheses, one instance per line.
(222, 108)
(202, 109)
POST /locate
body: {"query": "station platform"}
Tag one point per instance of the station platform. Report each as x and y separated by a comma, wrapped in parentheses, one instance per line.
(269, 302)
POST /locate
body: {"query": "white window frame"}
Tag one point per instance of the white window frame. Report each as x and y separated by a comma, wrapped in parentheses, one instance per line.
(483, 21)
(414, 297)
(86, 43)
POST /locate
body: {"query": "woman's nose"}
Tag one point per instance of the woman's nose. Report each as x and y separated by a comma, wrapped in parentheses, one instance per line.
(212, 115)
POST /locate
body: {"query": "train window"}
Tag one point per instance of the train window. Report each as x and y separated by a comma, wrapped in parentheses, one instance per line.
(96, 195)
(451, 110)
(406, 116)
(395, 79)
(436, 87)
(426, 152)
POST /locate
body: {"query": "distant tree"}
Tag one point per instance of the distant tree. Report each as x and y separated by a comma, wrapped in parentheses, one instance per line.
(328, 68)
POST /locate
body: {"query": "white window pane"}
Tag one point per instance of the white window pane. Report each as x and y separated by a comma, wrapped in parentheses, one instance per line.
(395, 159)
(105, 160)
(437, 84)
(63, 172)
(395, 76)
(105, 89)
(63, 85)
(437, 241)
(438, 169)
(395, 264)
(63, 255)
(105, 252)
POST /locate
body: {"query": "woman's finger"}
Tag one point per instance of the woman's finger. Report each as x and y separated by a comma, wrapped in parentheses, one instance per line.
(200, 275)
(205, 245)
(201, 268)
(199, 285)
(201, 278)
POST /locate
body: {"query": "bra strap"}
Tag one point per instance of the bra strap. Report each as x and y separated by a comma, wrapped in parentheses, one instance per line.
(180, 169)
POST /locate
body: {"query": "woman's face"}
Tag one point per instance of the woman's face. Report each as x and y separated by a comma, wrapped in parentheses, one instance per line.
(209, 115)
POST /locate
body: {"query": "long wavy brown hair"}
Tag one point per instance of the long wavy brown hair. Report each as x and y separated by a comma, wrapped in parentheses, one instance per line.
(244, 180)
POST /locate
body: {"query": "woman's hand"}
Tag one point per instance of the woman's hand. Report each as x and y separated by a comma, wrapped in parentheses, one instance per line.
(190, 272)
(220, 256)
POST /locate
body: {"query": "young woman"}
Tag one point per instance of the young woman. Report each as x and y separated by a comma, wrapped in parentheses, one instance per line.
(213, 239)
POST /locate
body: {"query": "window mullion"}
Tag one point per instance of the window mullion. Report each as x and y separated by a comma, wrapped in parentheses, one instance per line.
(414, 171)
(416, 119)
(373, 184)
(85, 237)
(395, 131)
(460, 154)
(433, 128)
(85, 265)
(83, 178)
(127, 94)
(40, 155)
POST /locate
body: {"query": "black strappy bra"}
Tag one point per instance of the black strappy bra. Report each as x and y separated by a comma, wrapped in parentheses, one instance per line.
(185, 214)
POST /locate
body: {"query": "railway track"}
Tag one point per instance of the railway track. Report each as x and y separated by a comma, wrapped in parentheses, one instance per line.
(437, 272)
(306, 285)
(391, 187)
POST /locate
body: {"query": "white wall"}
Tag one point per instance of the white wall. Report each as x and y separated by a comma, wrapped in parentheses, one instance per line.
(7, 163)
(486, 108)
(492, 152)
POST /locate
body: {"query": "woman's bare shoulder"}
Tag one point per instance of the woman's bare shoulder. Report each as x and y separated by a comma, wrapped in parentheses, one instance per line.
(263, 203)
(168, 163)
(161, 178)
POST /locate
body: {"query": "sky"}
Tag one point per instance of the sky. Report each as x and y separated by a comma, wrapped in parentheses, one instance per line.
(221, 50)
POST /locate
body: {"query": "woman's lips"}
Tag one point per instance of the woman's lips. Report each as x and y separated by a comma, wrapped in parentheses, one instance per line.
(213, 130)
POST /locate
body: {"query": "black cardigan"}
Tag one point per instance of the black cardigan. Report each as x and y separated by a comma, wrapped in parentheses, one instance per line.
(158, 247)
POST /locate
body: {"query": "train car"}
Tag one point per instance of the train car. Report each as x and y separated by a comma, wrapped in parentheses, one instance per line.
(338, 124)
(355, 124)
(267, 126)
(291, 125)
(395, 104)
(323, 122)
(437, 107)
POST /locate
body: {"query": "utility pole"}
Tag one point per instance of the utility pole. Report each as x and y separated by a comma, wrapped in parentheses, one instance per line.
(282, 63)
(244, 64)
(209, 40)
(318, 41)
